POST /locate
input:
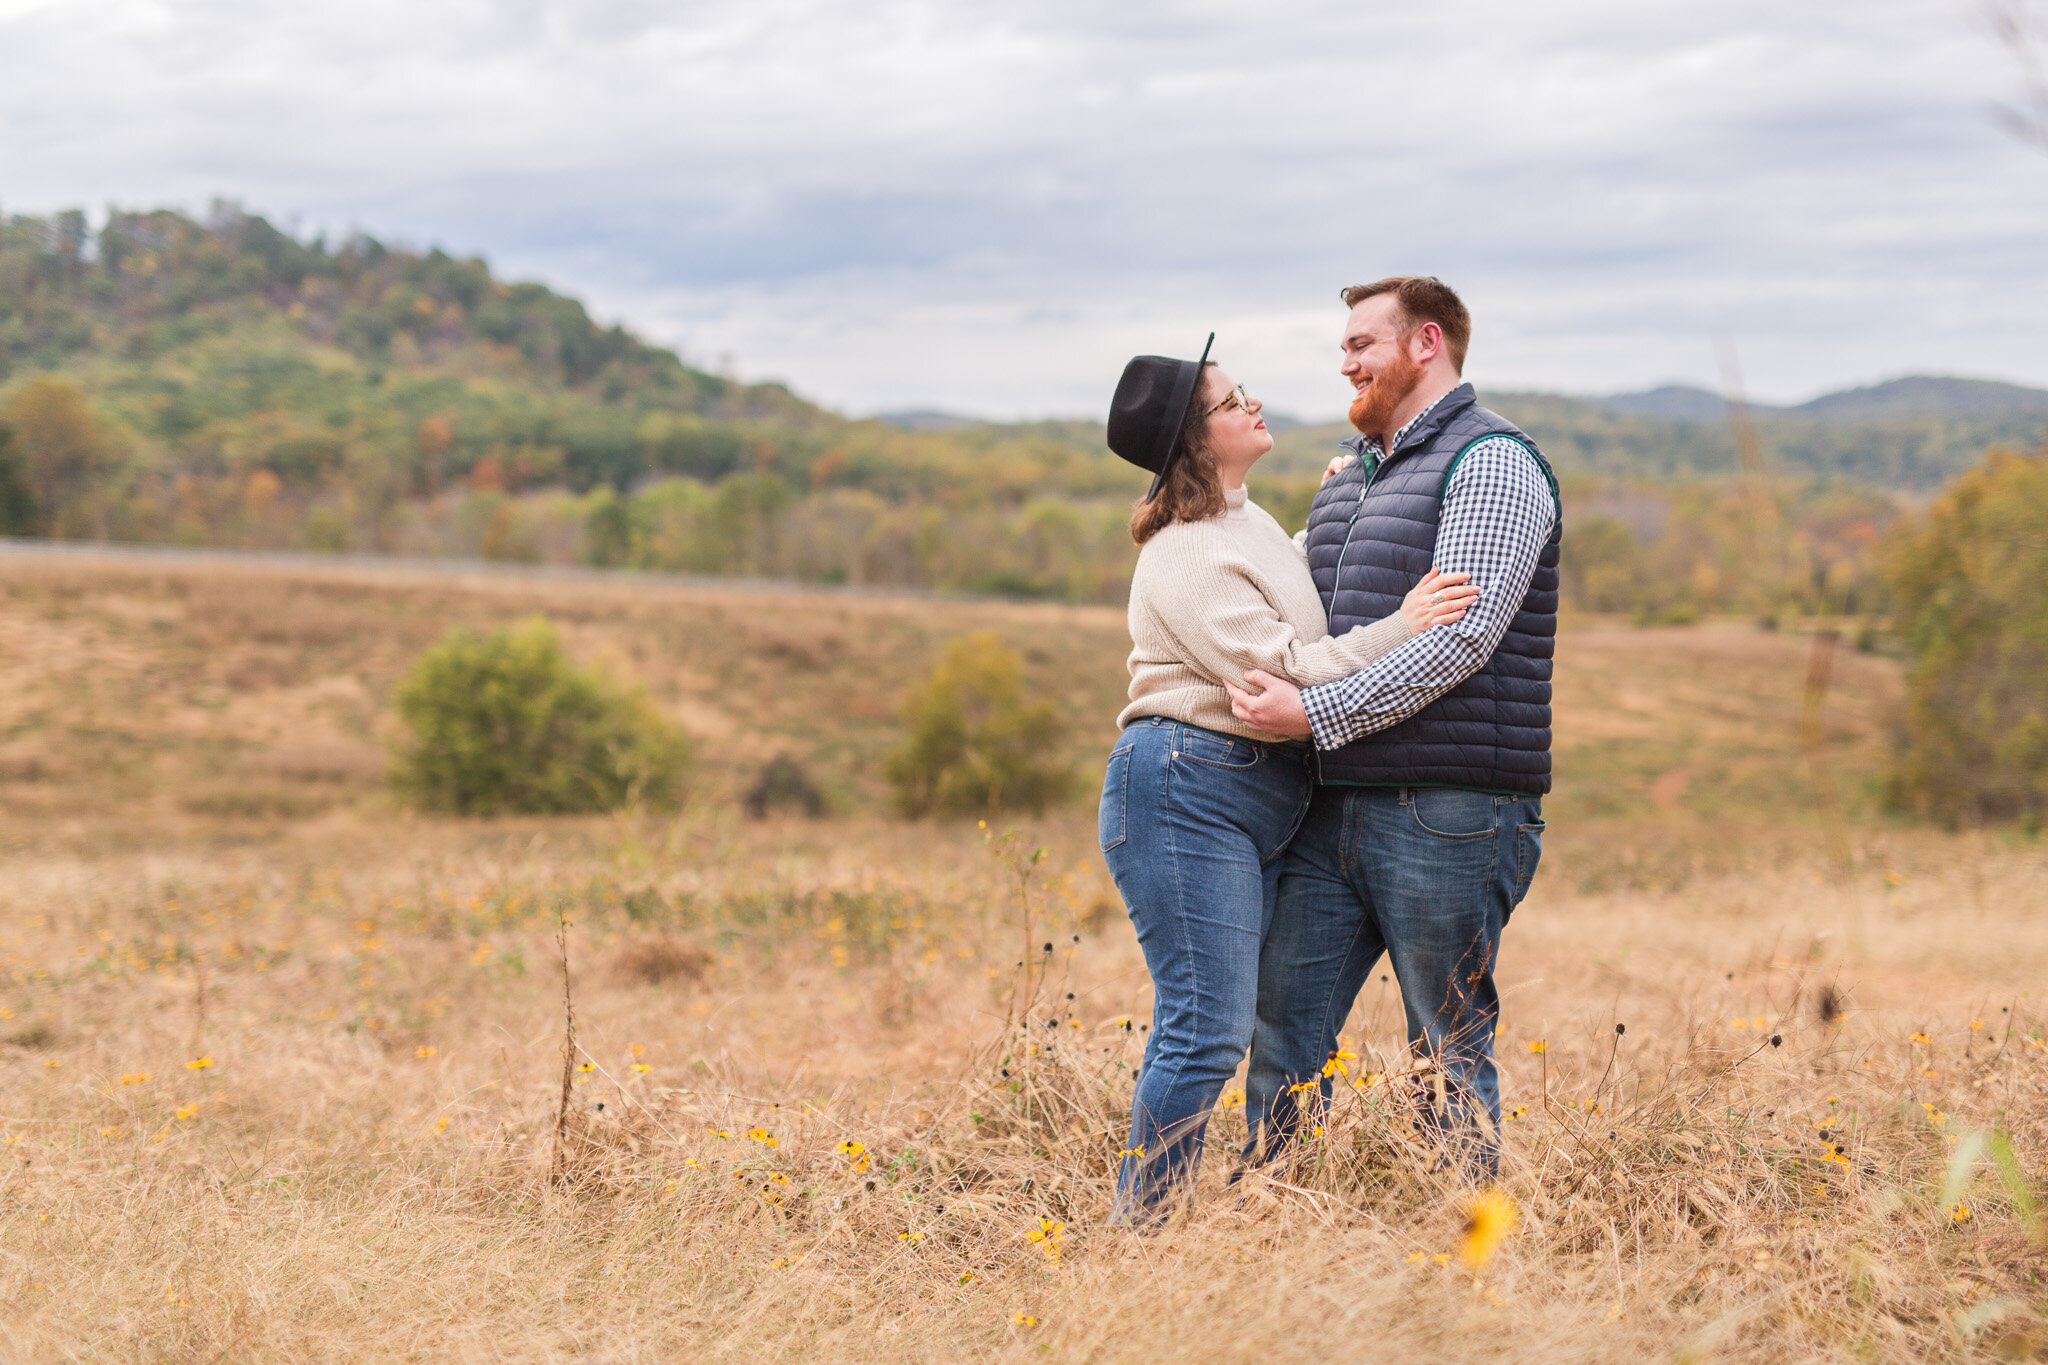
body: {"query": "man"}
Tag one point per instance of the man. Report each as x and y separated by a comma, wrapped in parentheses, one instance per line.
(1426, 824)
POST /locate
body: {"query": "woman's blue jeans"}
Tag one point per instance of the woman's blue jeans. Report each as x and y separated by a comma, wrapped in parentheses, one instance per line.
(1193, 823)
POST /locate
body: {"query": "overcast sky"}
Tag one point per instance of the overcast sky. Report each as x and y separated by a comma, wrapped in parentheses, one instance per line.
(987, 207)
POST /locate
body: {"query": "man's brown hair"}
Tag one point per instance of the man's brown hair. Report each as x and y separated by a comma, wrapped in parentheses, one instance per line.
(1423, 298)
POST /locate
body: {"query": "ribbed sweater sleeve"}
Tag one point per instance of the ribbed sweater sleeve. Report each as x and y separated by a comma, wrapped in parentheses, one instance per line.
(1222, 625)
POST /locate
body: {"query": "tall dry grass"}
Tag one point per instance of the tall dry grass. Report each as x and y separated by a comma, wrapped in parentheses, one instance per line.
(838, 1150)
(282, 1081)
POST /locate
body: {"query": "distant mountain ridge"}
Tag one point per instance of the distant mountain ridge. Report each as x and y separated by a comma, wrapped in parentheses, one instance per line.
(1912, 433)
(1917, 395)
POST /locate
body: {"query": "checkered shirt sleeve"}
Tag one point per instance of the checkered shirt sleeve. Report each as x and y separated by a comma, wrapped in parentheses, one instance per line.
(1498, 513)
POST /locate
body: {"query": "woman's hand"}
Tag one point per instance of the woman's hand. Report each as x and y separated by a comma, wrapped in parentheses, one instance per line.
(1439, 599)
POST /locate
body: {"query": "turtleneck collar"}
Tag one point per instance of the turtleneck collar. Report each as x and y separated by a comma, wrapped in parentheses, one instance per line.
(1233, 499)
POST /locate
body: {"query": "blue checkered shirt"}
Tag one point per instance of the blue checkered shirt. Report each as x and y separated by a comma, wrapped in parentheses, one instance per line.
(1498, 513)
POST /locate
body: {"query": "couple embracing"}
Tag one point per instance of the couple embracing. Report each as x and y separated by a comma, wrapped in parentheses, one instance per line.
(1337, 744)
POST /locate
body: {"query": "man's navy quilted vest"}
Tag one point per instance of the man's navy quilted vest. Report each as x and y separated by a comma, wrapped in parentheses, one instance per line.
(1371, 537)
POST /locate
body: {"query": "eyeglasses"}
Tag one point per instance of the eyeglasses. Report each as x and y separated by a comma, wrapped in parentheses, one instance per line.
(1237, 398)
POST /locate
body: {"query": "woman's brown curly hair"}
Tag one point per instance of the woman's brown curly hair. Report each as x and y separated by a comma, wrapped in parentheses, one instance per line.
(1193, 490)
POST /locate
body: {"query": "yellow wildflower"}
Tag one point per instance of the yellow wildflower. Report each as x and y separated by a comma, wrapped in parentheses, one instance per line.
(639, 1051)
(762, 1136)
(1019, 1318)
(1335, 1066)
(642, 1068)
(424, 1052)
(1047, 1237)
(1960, 1214)
(441, 1124)
(1489, 1217)
(199, 1063)
(134, 1077)
(1976, 1024)
(1919, 1037)
(1540, 1045)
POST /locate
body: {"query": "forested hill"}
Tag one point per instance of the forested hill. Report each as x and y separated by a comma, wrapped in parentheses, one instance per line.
(148, 284)
(223, 382)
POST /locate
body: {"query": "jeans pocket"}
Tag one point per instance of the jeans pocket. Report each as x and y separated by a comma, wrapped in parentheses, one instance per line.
(1109, 818)
(1217, 751)
(1528, 852)
(1452, 813)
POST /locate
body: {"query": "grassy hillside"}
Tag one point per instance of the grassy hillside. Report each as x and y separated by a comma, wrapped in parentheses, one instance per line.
(284, 1064)
(173, 690)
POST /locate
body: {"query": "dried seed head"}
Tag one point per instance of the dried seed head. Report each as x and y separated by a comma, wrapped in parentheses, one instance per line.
(1829, 1006)
(1777, 1040)
(1620, 1029)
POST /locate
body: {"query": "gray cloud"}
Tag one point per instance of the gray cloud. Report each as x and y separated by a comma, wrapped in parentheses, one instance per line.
(990, 207)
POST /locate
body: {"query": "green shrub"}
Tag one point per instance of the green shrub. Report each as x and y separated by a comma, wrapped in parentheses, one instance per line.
(1972, 586)
(975, 744)
(505, 724)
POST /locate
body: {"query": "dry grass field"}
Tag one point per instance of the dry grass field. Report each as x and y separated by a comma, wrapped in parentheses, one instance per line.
(280, 1063)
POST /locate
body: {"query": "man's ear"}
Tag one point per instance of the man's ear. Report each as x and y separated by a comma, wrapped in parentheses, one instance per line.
(1426, 343)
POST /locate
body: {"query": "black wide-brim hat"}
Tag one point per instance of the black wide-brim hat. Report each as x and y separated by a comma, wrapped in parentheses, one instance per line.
(1150, 406)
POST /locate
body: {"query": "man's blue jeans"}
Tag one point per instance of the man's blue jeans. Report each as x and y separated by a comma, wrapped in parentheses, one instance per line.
(1193, 823)
(1426, 876)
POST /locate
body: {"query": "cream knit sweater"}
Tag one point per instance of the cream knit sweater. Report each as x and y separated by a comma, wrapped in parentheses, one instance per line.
(1212, 599)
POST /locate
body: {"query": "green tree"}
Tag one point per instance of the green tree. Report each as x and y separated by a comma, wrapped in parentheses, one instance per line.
(58, 450)
(1971, 580)
(975, 743)
(607, 528)
(504, 723)
(17, 508)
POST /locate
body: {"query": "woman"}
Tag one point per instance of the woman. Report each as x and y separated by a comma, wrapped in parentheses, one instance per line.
(1197, 807)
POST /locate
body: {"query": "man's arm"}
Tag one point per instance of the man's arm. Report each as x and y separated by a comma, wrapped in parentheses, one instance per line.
(1497, 516)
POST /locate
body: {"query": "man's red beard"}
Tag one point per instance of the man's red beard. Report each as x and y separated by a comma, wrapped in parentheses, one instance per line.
(1372, 411)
